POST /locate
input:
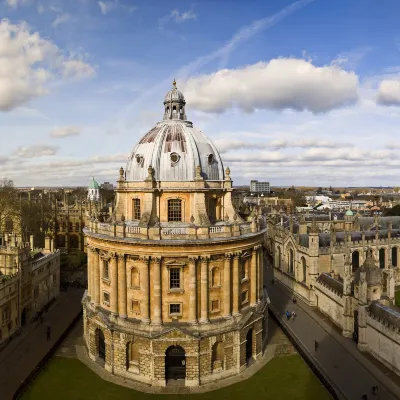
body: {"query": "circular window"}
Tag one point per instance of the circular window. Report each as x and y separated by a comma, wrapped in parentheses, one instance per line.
(139, 158)
(210, 158)
(175, 157)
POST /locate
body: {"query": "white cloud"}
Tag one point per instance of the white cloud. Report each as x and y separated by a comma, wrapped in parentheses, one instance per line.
(283, 83)
(35, 151)
(176, 16)
(389, 92)
(40, 8)
(65, 132)
(109, 6)
(15, 3)
(29, 63)
(61, 19)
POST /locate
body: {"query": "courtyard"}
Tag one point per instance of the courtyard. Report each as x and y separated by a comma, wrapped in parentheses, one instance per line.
(284, 377)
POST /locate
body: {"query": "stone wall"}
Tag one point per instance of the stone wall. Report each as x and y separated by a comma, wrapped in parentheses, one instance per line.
(329, 303)
(383, 342)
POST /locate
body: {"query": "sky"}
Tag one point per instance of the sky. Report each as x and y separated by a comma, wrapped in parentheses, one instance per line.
(292, 92)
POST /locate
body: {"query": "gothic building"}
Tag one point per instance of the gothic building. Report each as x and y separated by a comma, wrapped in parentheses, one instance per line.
(348, 272)
(175, 275)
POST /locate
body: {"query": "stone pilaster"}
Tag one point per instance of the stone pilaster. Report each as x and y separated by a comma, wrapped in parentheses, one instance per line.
(90, 271)
(145, 309)
(192, 291)
(235, 284)
(227, 286)
(157, 307)
(204, 290)
(122, 300)
(96, 277)
(253, 277)
(114, 284)
(260, 274)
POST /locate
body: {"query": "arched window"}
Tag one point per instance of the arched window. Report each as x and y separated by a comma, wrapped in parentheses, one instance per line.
(136, 209)
(291, 261)
(394, 256)
(174, 109)
(174, 210)
(9, 225)
(217, 356)
(279, 258)
(355, 260)
(304, 268)
(77, 226)
(215, 277)
(382, 254)
(132, 356)
(135, 278)
(106, 272)
(243, 268)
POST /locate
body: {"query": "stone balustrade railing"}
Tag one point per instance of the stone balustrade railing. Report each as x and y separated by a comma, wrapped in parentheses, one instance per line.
(189, 232)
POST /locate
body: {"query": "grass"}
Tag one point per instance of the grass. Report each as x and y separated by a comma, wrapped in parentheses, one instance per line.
(397, 298)
(282, 378)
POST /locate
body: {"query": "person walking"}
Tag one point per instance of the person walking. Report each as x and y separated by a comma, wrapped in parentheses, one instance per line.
(288, 314)
(316, 345)
(293, 315)
(375, 390)
(294, 300)
(364, 396)
(48, 332)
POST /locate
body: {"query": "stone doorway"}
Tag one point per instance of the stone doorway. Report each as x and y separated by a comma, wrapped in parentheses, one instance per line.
(175, 364)
(101, 345)
(24, 316)
(249, 347)
(355, 329)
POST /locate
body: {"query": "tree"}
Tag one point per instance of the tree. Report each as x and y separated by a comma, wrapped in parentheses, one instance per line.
(8, 202)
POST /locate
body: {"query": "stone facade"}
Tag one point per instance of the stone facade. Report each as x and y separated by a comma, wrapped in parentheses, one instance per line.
(175, 276)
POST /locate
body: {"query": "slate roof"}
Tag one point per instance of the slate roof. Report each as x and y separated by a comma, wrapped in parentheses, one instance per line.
(391, 315)
(331, 283)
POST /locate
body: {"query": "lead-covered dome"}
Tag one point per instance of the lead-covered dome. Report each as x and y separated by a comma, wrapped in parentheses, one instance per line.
(174, 148)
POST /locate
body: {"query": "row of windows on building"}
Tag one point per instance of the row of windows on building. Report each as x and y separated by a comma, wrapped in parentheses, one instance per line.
(176, 309)
(174, 210)
(175, 275)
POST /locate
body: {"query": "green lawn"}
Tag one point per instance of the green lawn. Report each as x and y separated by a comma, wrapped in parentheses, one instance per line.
(397, 298)
(282, 378)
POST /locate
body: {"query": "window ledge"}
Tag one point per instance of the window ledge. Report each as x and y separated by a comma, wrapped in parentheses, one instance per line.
(134, 287)
(245, 302)
(215, 311)
(175, 315)
(179, 291)
(244, 280)
(215, 287)
(106, 281)
(105, 303)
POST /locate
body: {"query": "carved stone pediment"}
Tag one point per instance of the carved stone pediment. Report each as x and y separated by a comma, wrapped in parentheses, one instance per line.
(179, 263)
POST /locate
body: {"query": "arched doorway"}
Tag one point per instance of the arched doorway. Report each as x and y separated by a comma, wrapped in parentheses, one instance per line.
(382, 258)
(101, 344)
(175, 363)
(24, 316)
(355, 260)
(394, 256)
(249, 346)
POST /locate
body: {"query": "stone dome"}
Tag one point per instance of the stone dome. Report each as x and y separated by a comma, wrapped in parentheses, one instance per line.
(349, 213)
(174, 149)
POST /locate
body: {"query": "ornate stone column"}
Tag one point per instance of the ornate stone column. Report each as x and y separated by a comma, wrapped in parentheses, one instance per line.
(157, 307)
(235, 285)
(114, 284)
(90, 271)
(260, 263)
(122, 306)
(192, 291)
(253, 277)
(145, 278)
(204, 289)
(96, 277)
(227, 286)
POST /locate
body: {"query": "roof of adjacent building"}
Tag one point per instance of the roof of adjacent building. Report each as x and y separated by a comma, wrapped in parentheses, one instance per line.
(333, 284)
(385, 313)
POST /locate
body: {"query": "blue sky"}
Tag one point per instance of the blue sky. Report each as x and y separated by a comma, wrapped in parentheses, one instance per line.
(303, 93)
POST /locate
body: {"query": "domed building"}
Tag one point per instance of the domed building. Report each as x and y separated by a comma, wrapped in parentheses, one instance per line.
(175, 275)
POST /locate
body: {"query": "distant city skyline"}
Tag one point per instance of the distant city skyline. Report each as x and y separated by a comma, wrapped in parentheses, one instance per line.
(302, 93)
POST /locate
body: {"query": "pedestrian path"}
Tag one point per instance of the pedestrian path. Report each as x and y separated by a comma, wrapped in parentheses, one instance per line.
(21, 356)
(351, 373)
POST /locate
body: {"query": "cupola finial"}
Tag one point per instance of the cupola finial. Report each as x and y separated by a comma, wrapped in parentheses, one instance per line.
(174, 84)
